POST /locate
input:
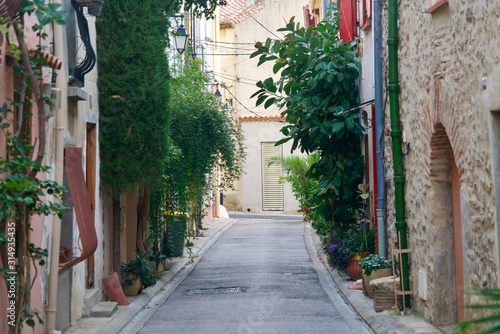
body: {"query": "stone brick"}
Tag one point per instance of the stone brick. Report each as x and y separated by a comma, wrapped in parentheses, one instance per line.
(445, 117)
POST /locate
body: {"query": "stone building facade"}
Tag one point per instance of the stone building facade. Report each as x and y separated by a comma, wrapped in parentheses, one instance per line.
(449, 66)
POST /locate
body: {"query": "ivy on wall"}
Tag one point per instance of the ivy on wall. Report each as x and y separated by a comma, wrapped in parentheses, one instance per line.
(23, 192)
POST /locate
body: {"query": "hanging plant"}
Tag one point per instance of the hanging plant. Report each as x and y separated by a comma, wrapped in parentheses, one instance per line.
(204, 137)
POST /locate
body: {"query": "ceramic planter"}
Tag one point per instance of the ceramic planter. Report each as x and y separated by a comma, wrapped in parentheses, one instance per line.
(353, 269)
(134, 288)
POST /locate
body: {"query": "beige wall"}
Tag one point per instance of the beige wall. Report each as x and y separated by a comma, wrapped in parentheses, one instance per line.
(241, 73)
(448, 61)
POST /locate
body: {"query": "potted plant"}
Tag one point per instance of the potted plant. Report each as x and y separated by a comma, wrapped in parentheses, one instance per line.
(362, 235)
(64, 254)
(348, 248)
(374, 266)
(362, 243)
(340, 251)
(138, 274)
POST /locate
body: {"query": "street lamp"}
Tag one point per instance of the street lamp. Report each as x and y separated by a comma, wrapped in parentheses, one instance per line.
(218, 94)
(180, 39)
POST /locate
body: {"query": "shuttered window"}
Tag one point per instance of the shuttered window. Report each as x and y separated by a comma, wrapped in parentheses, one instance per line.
(272, 189)
(347, 15)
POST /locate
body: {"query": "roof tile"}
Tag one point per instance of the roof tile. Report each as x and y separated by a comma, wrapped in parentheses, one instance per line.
(236, 11)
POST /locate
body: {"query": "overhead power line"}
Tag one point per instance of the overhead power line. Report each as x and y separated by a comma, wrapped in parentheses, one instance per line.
(253, 112)
(218, 45)
(236, 76)
(234, 80)
(223, 42)
(226, 54)
(263, 26)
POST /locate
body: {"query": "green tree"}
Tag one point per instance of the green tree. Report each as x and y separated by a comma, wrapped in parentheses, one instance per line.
(133, 100)
(316, 89)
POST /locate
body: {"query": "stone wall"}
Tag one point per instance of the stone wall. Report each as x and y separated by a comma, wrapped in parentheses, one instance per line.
(445, 60)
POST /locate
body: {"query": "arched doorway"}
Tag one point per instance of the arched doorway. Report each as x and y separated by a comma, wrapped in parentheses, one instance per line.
(447, 280)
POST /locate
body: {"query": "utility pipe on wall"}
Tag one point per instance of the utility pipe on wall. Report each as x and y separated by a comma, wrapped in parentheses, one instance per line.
(60, 125)
(379, 129)
(397, 152)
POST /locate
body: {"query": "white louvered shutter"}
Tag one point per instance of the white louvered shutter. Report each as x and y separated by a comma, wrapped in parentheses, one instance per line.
(272, 189)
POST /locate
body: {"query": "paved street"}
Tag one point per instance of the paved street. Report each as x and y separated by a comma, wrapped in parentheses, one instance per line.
(257, 278)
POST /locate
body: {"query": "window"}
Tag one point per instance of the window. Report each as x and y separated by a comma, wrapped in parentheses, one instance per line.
(347, 13)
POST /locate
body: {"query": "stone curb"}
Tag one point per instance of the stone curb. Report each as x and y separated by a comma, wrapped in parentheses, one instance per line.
(127, 313)
(365, 308)
(369, 316)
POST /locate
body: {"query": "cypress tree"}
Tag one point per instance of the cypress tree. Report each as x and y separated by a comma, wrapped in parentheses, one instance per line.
(133, 101)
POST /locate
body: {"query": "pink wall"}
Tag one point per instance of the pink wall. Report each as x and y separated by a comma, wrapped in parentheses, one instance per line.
(6, 91)
(209, 213)
(6, 86)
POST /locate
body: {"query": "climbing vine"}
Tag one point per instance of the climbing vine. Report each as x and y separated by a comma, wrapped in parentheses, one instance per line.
(205, 137)
(23, 192)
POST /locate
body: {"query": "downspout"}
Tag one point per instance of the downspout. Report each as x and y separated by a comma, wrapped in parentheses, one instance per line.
(60, 124)
(379, 129)
(396, 133)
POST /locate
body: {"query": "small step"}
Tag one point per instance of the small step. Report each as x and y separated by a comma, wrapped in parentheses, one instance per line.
(104, 309)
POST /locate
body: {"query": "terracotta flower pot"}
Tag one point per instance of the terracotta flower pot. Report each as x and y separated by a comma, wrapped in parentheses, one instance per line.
(353, 269)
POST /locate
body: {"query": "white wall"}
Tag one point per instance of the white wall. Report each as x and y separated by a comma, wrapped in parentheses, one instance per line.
(255, 133)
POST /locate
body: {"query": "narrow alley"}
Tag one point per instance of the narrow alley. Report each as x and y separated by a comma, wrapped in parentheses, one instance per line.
(257, 278)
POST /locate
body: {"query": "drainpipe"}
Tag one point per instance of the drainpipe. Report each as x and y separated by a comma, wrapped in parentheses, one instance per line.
(399, 177)
(60, 124)
(379, 130)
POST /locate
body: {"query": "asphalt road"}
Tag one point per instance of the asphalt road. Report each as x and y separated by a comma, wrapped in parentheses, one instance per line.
(257, 278)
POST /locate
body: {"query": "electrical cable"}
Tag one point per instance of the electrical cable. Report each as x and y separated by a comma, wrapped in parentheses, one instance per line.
(253, 112)
(221, 42)
(217, 46)
(361, 105)
(227, 54)
(251, 15)
(236, 63)
(235, 76)
(234, 80)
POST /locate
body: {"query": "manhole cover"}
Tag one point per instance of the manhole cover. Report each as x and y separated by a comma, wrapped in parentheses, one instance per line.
(216, 290)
